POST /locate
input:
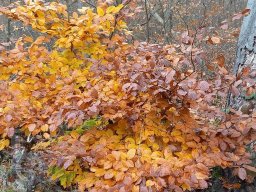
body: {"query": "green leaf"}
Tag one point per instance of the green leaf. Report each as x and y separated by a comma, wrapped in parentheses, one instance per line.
(252, 96)
(63, 181)
(58, 174)
(70, 178)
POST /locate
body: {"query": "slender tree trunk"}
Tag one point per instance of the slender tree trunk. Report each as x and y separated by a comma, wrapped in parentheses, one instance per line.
(147, 18)
(169, 22)
(8, 38)
(246, 57)
(247, 40)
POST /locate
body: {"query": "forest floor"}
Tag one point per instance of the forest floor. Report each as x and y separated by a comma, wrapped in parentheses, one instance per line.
(35, 168)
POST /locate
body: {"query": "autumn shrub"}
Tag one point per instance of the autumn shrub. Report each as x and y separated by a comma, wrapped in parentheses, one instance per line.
(138, 117)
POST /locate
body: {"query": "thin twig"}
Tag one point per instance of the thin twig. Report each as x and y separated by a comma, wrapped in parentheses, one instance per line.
(147, 26)
(191, 52)
(116, 16)
(90, 4)
(184, 21)
(72, 3)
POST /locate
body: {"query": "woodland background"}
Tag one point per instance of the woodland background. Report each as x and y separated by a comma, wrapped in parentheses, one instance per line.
(166, 21)
(156, 22)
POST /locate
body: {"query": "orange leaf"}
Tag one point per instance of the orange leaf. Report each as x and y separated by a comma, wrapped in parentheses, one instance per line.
(131, 153)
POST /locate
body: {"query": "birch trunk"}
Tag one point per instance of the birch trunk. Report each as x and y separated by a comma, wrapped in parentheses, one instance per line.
(247, 40)
(246, 57)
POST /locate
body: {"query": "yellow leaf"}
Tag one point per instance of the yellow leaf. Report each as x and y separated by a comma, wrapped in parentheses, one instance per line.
(98, 172)
(175, 133)
(129, 140)
(118, 8)
(172, 110)
(87, 180)
(135, 188)
(74, 134)
(4, 143)
(107, 165)
(215, 149)
(155, 146)
(150, 183)
(23, 86)
(45, 127)
(113, 9)
(204, 147)
(90, 182)
(131, 153)
(180, 139)
(184, 147)
(185, 187)
(115, 86)
(131, 146)
(156, 154)
(6, 109)
(100, 11)
(195, 153)
(110, 9)
(166, 139)
(122, 24)
(41, 145)
(128, 163)
(123, 155)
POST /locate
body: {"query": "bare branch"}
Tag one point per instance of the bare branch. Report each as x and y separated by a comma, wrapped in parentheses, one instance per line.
(147, 17)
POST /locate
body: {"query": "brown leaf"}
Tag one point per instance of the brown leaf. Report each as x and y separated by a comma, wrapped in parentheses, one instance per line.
(237, 83)
(242, 173)
(203, 184)
(204, 86)
(220, 60)
(10, 132)
(67, 163)
(237, 16)
(31, 127)
(224, 26)
(213, 40)
(232, 185)
(250, 168)
(109, 174)
(181, 92)
(235, 91)
(223, 70)
(169, 77)
(8, 118)
(246, 71)
(235, 133)
(246, 11)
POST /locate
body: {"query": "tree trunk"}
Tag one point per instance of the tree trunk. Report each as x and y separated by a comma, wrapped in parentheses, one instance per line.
(247, 40)
(246, 57)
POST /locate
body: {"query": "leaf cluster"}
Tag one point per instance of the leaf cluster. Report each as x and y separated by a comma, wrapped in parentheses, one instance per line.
(161, 134)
